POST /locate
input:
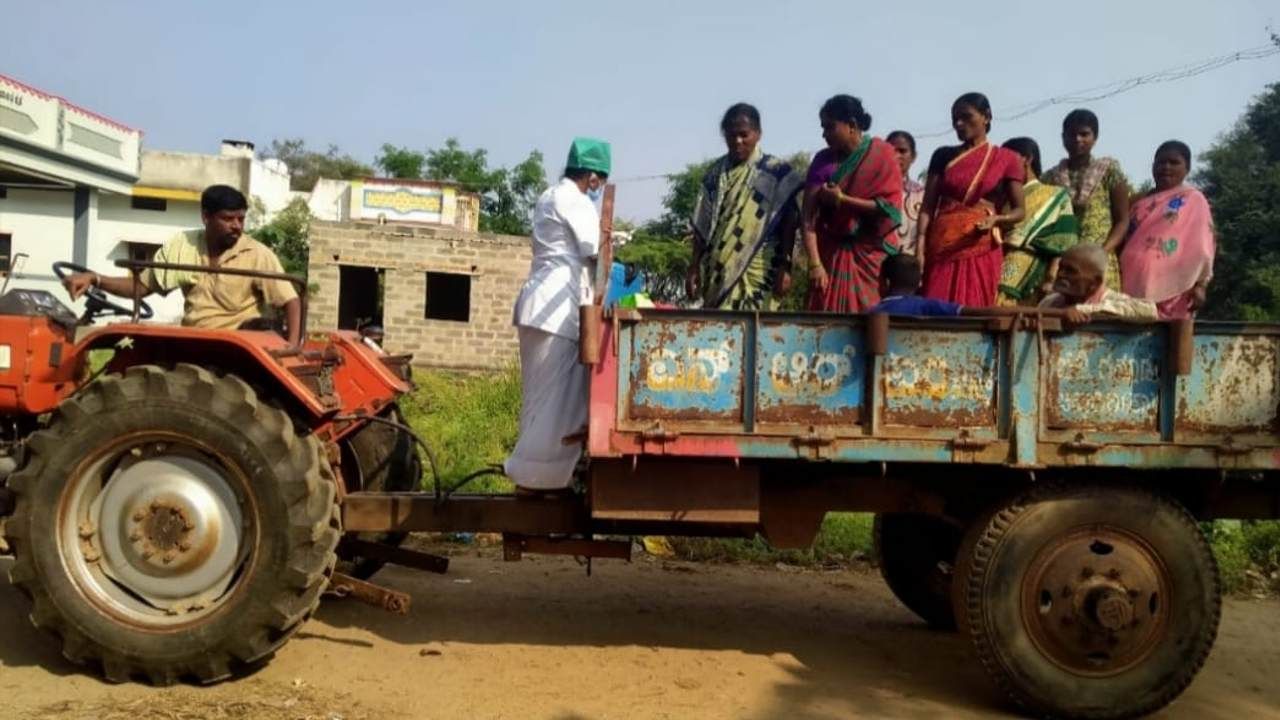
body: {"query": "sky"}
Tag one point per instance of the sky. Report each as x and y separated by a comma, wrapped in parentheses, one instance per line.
(652, 77)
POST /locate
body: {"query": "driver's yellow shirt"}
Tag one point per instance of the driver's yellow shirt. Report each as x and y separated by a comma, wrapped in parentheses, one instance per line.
(213, 301)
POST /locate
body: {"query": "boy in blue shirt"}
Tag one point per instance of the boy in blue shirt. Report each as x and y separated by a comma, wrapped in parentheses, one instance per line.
(900, 279)
(899, 282)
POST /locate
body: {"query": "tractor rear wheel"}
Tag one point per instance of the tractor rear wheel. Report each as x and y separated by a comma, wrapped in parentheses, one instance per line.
(378, 458)
(1089, 601)
(917, 555)
(170, 524)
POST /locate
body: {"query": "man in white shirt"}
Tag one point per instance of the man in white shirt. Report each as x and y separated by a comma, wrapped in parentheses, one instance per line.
(1079, 289)
(566, 240)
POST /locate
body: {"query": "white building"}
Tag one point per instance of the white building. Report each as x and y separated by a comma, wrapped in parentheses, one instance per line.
(77, 186)
(388, 200)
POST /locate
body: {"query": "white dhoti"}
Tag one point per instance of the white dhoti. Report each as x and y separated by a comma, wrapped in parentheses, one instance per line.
(553, 405)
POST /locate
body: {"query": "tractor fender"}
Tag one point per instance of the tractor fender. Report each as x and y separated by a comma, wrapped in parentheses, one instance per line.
(262, 358)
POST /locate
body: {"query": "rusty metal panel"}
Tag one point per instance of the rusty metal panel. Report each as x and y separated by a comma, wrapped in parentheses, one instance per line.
(810, 374)
(686, 369)
(1232, 386)
(684, 491)
(1108, 381)
(938, 379)
(422, 512)
(514, 547)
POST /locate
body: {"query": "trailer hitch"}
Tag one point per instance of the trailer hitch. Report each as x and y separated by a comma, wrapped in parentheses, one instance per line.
(514, 547)
(366, 592)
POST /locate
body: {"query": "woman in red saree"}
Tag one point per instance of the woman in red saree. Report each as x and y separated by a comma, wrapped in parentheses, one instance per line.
(852, 205)
(958, 234)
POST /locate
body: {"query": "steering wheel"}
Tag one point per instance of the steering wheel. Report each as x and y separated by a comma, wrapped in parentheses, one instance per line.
(96, 300)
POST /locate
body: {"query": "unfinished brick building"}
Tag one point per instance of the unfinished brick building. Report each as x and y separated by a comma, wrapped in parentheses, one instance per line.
(443, 294)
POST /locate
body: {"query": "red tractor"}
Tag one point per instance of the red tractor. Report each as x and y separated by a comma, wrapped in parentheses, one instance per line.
(174, 514)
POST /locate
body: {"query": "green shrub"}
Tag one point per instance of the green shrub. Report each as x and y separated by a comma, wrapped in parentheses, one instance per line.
(1248, 554)
(470, 422)
(1227, 542)
(844, 535)
(1262, 543)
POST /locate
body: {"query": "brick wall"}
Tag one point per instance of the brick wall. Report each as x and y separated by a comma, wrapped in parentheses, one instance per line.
(496, 264)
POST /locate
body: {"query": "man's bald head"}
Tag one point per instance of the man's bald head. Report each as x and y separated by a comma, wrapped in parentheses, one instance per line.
(1092, 256)
(1081, 272)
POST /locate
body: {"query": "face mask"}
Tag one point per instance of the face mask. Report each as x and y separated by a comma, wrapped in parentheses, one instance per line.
(595, 194)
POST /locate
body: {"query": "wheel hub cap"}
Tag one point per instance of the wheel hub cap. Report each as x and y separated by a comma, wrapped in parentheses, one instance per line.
(1096, 601)
(170, 530)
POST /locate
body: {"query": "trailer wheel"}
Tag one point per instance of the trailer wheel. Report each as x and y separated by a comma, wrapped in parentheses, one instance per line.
(1089, 601)
(916, 555)
(378, 458)
(172, 525)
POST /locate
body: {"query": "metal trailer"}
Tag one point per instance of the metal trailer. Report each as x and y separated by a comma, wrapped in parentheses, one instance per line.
(1036, 487)
(180, 515)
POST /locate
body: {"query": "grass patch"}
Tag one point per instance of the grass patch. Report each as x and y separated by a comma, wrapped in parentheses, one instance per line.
(99, 358)
(470, 421)
(843, 537)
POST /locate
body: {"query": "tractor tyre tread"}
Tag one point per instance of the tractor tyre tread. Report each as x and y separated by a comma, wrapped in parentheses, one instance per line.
(895, 560)
(974, 561)
(300, 480)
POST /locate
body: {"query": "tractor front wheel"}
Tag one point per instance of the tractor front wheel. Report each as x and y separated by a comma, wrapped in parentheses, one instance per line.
(170, 524)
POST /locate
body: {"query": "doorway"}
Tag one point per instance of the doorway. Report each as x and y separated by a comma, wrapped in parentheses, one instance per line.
(360, 292)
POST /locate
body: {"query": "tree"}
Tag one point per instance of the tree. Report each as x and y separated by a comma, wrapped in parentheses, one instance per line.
(661, 248)
(506, 196)
(663, 259)
(469, 168)
(306, 165)
(679, 202)
(1240, 175)
(287, 236)
(400, 162)
(514, 198)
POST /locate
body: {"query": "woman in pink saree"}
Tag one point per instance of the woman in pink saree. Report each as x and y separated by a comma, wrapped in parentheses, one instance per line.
(1168, 252)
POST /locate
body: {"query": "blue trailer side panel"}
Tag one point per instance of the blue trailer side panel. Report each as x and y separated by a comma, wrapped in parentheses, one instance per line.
(1107, 381)
(1232, 386)
(810, 373)
(807, 386)
(687, 370)
(936, 379)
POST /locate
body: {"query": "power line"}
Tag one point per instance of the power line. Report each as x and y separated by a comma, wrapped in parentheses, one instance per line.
(1102, 92)
(1092, 94)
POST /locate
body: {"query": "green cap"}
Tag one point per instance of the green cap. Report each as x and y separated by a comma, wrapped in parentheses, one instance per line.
(589, 154)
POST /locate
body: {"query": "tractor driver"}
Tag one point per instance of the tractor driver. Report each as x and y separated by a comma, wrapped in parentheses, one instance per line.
(211, 301)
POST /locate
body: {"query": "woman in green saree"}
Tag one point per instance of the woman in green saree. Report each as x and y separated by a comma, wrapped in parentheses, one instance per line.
(744, 222)
(1032, 248)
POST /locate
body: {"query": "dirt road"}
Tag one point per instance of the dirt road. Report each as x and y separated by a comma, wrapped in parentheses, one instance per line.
(653, 639)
